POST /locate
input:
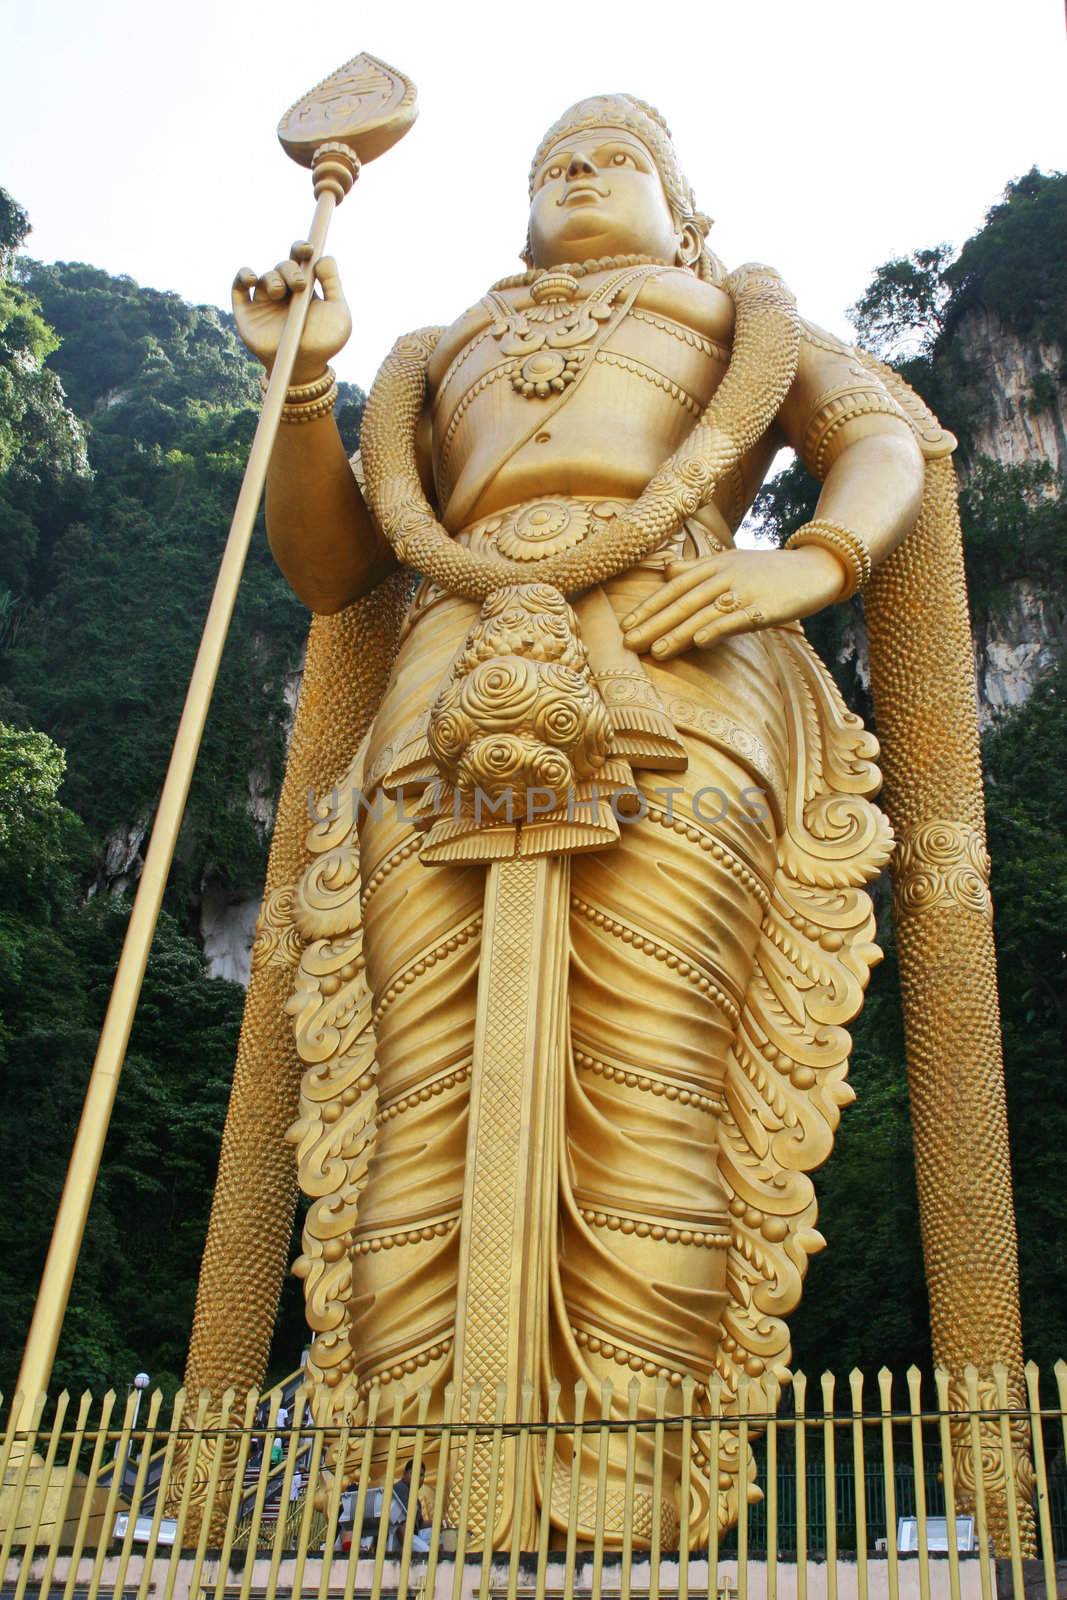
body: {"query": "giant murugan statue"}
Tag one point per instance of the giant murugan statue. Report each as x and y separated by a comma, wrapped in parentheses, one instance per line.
(569, 952)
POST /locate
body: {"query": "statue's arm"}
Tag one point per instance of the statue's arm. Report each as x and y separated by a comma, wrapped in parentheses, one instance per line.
(321, 533)
(851, 434)
(320, 530)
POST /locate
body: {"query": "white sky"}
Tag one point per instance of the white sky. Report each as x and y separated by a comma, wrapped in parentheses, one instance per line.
(823, 135)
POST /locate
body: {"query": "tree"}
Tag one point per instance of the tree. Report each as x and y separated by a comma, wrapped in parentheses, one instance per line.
(1027, 821)
(901, 313)
(42, 444)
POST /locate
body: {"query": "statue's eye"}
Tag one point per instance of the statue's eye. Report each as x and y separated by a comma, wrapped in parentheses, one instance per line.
(554, 172)
(621, 159)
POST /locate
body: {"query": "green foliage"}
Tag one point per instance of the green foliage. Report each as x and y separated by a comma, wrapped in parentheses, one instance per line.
(116, 580)
(14, 226)
(139, 361)
(1014, 527)
(350, 403)
(31, 771)
(42, 444)
(1015, 265)
(1026, 757)
(1014, 269)
(40, 839)
(901, 313)
(133, 1293)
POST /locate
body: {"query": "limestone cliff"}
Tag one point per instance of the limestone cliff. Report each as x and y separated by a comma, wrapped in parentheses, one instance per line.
(1027, 399)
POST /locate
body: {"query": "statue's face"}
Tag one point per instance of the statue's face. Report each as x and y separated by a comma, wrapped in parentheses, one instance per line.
(598, 192)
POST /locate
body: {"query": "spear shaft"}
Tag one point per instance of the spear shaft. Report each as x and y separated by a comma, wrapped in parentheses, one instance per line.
(358, 112)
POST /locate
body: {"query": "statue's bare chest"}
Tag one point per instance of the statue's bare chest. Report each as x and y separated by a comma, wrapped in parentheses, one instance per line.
(590, 382)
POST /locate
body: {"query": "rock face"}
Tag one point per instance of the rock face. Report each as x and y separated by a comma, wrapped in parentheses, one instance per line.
(1026, 423)
(120, 866)
(1019, 643)
(226, 932)
(1026, 419)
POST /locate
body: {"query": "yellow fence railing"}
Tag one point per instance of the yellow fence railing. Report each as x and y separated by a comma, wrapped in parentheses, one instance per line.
(854, 1490)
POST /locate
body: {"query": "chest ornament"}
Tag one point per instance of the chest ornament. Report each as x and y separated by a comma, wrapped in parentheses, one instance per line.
(550, 339)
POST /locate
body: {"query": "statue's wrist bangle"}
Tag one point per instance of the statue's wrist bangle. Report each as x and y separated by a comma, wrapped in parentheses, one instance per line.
(304, 402)
(848, 547)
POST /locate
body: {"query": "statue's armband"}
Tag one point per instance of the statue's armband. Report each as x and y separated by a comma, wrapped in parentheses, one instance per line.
(834, 387)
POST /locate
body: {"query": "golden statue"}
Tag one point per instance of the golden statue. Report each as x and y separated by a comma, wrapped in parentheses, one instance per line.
(569, 952)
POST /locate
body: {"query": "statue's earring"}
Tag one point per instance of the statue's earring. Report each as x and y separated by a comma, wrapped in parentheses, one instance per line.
(690, 245)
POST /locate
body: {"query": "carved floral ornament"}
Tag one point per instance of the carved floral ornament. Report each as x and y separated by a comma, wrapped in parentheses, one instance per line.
(277, 939)
(943, 864)
(521, 710)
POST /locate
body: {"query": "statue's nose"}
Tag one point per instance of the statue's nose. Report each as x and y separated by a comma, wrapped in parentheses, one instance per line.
(581, 166)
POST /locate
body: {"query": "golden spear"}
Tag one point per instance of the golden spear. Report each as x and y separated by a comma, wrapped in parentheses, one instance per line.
(352, 117)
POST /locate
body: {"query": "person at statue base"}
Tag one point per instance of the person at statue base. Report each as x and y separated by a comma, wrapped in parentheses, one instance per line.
(564, 469)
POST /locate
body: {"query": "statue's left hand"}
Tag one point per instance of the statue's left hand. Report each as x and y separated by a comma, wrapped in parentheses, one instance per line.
(735, 591)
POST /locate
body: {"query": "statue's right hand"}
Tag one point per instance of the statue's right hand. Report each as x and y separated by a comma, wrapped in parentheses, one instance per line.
(261, 304)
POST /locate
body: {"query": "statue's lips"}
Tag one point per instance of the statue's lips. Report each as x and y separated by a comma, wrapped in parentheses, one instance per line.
(586, 194)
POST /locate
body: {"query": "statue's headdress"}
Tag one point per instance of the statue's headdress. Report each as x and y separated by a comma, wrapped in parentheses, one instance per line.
(635, 116)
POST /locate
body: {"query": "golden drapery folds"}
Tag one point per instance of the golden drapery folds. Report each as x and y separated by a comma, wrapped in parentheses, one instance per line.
(680, 1127)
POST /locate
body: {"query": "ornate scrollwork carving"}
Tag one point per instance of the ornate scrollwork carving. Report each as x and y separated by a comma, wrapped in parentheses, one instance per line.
(277, 938)
(943, 863)
(978, 1446)
(786, 1078)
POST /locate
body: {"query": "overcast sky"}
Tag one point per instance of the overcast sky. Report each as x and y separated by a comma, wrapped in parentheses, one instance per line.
(823, 136)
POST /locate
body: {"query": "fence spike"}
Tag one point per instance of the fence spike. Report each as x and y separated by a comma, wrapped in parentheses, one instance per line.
(771, 1395)
(62, 1509)
(107, 1405)
(889, 1479)
(440, 1494)
(1000, 1379)
(425, 1394)
(800, 1471)
(918, 1462)
(715, 1473)
(827, 1384)
(581, 1395)
(29, 1549)
(658, 1446)
(1032, 1374)
(607, 1395)
(244, 1447)
(633, 1401)
(970, 1378)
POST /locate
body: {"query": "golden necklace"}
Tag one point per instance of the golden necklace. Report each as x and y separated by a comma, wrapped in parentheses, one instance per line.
(579, 269)
(550, 340)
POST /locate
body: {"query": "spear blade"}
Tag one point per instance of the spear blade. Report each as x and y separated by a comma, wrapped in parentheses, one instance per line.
(366, 105)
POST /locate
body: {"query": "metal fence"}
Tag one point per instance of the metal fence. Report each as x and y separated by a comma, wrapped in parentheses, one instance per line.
(217, 1499)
